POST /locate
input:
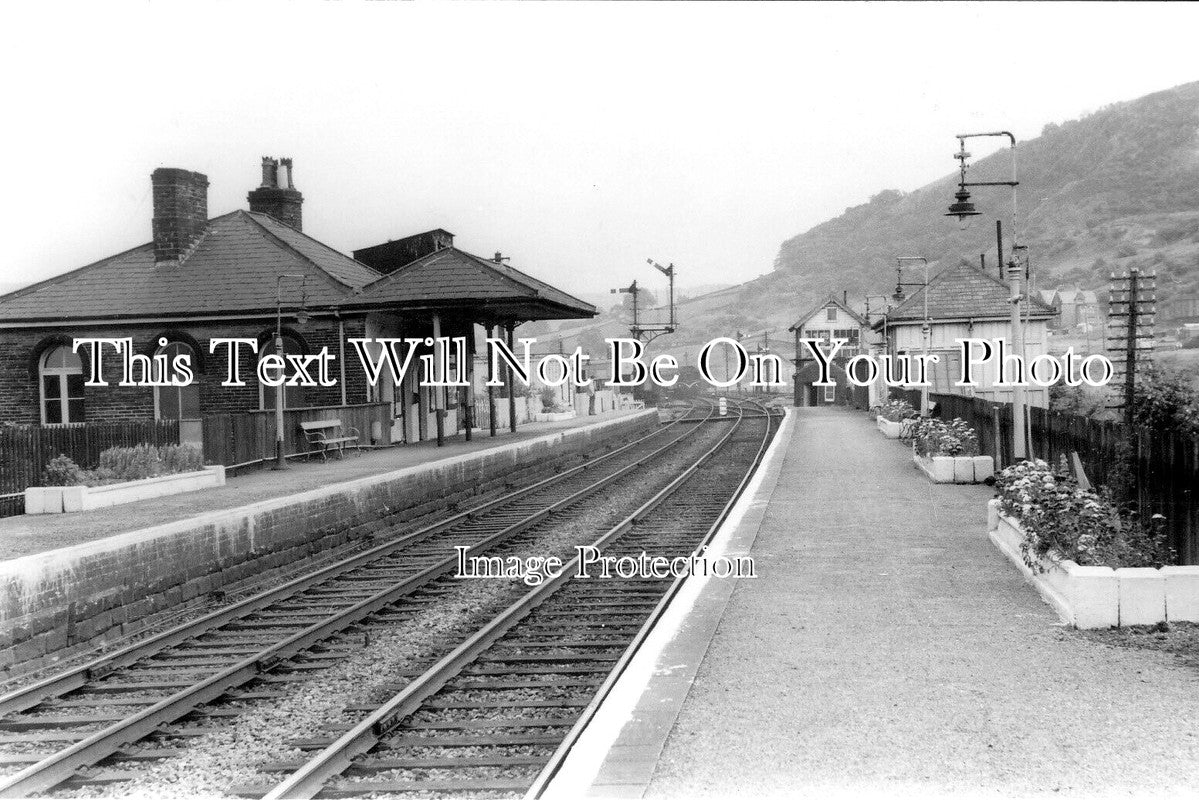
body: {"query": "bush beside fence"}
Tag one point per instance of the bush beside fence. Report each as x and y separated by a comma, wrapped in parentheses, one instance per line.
(25, 450)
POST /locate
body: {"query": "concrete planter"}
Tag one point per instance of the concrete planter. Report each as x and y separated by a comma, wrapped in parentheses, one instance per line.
(890, 429)
(955, 469)
(553, 416)
(60, 499)
(1102, 597)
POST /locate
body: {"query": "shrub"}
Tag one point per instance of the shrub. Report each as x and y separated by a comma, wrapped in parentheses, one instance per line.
(180, 458)
(129, 463)
(1086, 401)
(896, 410)
(932, 437)
(549, 400)
(1060, 518)
(62, 471)
(1165, 402)
(121, 464)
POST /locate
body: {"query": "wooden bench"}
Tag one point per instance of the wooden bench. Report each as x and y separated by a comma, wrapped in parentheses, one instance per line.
(327, 434)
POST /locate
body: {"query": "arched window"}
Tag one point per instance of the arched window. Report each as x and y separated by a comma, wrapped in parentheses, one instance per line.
(293, 396)
(61, 374)
(177, 402)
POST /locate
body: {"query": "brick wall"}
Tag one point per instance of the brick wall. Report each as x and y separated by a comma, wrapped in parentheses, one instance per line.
(19, 349)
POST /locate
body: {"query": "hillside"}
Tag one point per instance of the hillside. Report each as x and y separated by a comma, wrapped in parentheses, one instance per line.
(1117, 188)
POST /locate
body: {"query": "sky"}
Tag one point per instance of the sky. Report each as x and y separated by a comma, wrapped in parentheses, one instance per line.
(580, 139)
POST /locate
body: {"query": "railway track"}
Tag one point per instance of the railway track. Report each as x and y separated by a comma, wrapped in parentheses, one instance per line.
(55, 728)
(499, 713)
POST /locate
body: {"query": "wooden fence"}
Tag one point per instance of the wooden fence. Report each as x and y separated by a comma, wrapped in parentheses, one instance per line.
(1165, 467)
(248, 438)
(26, 449)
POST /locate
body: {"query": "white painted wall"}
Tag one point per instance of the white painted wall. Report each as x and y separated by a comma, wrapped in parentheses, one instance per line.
(907, 338)
(820, 322)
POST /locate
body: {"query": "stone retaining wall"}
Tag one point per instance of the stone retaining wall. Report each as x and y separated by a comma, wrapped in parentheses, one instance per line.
(69, 600)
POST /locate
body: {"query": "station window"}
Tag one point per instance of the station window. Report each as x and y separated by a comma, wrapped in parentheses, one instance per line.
(832, 314)
(293, 396)
(177, 402)
(853, 335)
(61, 378)
(830, 394)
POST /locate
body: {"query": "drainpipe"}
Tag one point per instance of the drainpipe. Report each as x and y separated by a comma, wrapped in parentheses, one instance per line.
(509, 327)
(490, 388)
(437, 390)
(341, 353)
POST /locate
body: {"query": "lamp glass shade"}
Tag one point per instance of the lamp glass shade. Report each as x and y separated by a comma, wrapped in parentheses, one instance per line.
(963, 207)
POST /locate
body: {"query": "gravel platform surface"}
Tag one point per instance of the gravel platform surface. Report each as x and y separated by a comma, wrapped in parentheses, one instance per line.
(887, 649)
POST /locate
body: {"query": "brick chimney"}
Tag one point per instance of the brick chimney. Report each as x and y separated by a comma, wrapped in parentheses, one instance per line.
(180, 212)
(278, 195)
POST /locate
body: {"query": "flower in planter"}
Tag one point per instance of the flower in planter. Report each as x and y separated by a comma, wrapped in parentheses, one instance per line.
(1058, 517)
(896, 410)
(932, 437)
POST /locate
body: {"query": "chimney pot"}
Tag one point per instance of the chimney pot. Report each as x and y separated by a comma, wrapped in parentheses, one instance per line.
(180, 212)
(270, 172)
(286, 164)
(283, 202)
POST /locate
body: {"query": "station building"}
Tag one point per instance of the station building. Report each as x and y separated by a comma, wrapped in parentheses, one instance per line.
(831, 319)
(965, 302)
(230, 276)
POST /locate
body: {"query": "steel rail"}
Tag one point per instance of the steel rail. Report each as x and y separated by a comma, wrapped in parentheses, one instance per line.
(558, 758)
(310, 779)
(62, 765)
(75, 678)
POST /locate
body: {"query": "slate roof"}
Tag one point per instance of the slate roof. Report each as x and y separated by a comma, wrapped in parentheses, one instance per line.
(233, 269)
(832, 300)
(454, 277)
(962, 292)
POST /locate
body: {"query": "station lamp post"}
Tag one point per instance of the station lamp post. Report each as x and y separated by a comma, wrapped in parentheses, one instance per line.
(963, 209)
(301, 319)
(926, 330)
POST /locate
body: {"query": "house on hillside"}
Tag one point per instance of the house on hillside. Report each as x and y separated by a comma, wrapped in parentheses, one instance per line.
(1074, 307)
(228, 276)
(1180, 310)
(965, 302)
(831, 319)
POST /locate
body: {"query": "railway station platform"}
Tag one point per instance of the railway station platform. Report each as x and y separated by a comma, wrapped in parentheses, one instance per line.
(29, 534)
(72, 582)
(885, 649)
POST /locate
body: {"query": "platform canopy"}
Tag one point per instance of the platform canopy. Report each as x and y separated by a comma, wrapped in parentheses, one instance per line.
(453, 282)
